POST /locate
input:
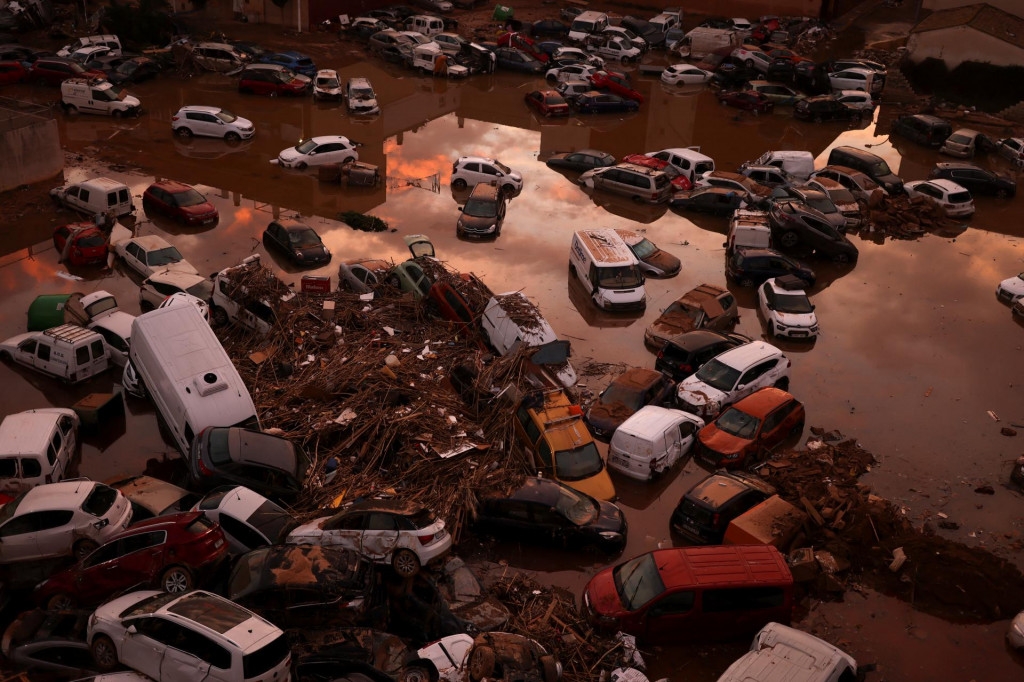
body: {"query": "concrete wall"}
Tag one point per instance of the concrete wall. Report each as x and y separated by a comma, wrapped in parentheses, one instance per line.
(962, 44)
(31, 153)
(1011, 6)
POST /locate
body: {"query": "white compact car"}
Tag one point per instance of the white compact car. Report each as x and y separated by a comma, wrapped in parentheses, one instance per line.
(150, 254)
(317, 151)
(786, 308)
(684, 74)
(181, 298)
(360, 97)
(70, 518)
(858, 99)
(164, 283)
(403, 537)
(469, 171)
(954, 199)
(578, 55)
(1011, 288)
(187, 637)
(752, 58)
(570, 72)
(326, 85)
(248, 519)
(211, 122)
(733, 375)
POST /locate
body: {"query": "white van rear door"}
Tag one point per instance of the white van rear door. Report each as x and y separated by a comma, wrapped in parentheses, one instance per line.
(91, 359)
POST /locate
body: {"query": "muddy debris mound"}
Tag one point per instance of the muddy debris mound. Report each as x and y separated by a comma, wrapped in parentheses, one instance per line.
(902, 217)
(855, 535)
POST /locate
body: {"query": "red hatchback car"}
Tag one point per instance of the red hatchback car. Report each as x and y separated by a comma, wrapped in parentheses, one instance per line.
(12, 72)
(748, 100)
(88, 245)
(179, 201)
(617, 83)
(749, 429)
(679, 181)
(547, 102)
(709, 593)
(166, 552)
(55, 70)
(273, 80)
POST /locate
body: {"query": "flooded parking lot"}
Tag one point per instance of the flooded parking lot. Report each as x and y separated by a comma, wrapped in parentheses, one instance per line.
(915, 351)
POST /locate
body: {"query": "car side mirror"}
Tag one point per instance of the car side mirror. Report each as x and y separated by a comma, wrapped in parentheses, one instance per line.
(102, 523)
(132, 630)
(740, 387)
(312, 153)
(220, 122)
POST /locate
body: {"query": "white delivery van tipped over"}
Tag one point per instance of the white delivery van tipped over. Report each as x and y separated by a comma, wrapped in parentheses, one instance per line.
(429, 57)
(510, 319)
(188, 374)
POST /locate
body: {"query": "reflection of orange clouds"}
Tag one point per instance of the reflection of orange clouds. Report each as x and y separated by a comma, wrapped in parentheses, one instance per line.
(417, 168)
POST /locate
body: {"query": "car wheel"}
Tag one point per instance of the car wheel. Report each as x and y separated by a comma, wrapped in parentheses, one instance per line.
(459, 183)
(219, 316)
(747, 282)
(103, 652)
(60, 602)
(481, 663)
(790, 239)
(782, 384)
(232, 137)
(117, 113)
(71, 109)
(84, 548)
(415, 673)
(841, 258)
(1001, 193)
(175, 580)
(301, 165)
(406, 563)
(818, 119)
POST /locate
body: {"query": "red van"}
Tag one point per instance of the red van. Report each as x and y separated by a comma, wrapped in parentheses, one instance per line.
(687, 593)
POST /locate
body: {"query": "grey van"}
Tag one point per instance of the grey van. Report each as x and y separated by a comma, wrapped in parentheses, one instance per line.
(636, 182)
(872, 165)
(931, 131)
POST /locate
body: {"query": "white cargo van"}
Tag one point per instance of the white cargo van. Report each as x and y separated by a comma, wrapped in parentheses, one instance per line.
(425, 24)
(512, 319)
(36, 447)
(68, 352)
(98, 96)
(702, 41)
(95, 196)
(749, 229)
(780, 654)
(652, 440)
(188, 374)
(798, 164)
(608, 270)
(587, 23)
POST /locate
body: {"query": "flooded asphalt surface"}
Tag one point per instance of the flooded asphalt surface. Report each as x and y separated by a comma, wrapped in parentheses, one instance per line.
(914, 349)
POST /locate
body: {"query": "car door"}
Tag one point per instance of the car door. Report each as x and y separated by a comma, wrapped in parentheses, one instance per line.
(344, 531)
(189, 655)
(135, 257)
(142, 557)
(671, 616)
(511, 517)
(55, 531)
(751, 380)
(380, 536)
(18, 539)
(92, 359)
(98, 575)
(776, 426)
(276, 236)
(144, 642)
(44, 360)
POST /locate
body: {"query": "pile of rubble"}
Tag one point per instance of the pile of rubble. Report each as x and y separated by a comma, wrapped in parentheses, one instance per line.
(902, 217)
(852, 535)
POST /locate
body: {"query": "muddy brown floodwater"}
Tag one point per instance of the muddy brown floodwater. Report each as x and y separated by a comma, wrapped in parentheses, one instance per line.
(914, 351)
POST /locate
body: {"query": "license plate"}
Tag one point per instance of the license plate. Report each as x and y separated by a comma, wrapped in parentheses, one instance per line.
(218, 544)
(799, 333)
(208, 221)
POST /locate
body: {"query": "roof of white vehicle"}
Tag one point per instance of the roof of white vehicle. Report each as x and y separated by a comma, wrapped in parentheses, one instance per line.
(150, 242)
(28, 432)
(63, 495)
(241, 502)
(606, 247)
(785, 654)
(534, 330)
(99, 183)
(780, 290)
(948, 185)
(651, 420)
(221, 619)
(326, 73)
(201, 109)
(324, 139)
(685, 152)
(182, 280)
(855, 69)
(743, 356)
(118, 322)
(475, 159)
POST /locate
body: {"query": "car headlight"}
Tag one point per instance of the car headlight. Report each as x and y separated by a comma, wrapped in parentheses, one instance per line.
(735, 455)
(610, 535)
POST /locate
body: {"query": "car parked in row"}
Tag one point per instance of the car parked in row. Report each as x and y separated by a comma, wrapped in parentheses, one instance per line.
(685, 74)
(181, 202)
(752, 266)
(211, 122)
(582, 160)
(953, 199)
(826, 108)
(469, 171)
(317, 151)
(796, 224)
(977, 181)
(247, 519)
(547, 103)
(706, 509)
(80, 244)
(714, 200)
(272, 80)
(297, 241)
(746, 100)
(651, 441)
(595, 102)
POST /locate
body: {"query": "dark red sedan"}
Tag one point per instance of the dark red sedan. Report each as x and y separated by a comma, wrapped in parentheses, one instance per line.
(547, 102)
(748, 100)
(166, 552)
(88, 245)
(56, 70)
(179, 201)
(12, 72)
(616, 83)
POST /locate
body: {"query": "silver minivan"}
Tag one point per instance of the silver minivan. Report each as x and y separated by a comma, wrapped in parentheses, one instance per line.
(636, 182)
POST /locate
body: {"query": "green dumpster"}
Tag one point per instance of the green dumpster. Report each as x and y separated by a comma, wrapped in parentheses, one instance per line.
(502, 13)
(53, 310)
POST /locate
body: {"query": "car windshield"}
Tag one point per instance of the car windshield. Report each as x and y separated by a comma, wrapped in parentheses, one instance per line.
(303, 239)
(272, 521)
(226, 116)
(502, 167)
(630, 397)
(362, 93)
(328, 82)
(217, 446)
(480, 208)
(792, 303)
(645, 248)
(164, 256)
(718, 375)
(576, 507)
(638, 581)
(8, 510)
(578, 463)
(101, 306)
(841, 196)
(189, 198)
(880, 168)
(737, 423)
(621, 277)
(823, 204)
(957, 138)
(203, 290)
(91, 240)
(306, 146)
(114, 93)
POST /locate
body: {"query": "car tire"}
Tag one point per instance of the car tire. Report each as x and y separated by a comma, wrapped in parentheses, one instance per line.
(71, 109)
(232, 136)
(818, 119)
(117, 113)
(1001, 193)
(481, 663)
(789, 239)
(508, 190)
(183, 132)
(782, 384)
(175, 580)
(218, 316)
(405, 563)
(62, 601)
(104, 653)
(458, 183)
(416, 673)
(84, 548)
(301, 165)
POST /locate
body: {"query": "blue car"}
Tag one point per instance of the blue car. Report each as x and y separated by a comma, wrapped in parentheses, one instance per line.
(604, 102)
(296, 61)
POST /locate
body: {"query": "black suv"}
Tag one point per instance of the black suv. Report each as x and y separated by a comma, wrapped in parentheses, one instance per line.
(825, 108)
(750, 267)
(976, 180)
(794, 223)
(483, 213)
(707, 508)
(871, 165)
(931, 131)
(685, 354)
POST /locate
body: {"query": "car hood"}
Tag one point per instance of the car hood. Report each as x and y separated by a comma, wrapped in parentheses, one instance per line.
(610, 519)
(289, 154)
(199, 209)
(599, 486)
(13, 342)
(1014, 285)
(608, 416)
(672, 324)
(721, 442)
(602, 595)
(696, 392)
(131, 101)
(797, 319)
(307, 531)
(477, 223)
(663, 260)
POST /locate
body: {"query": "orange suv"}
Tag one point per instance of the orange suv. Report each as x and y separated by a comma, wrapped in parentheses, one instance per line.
(749, 429)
